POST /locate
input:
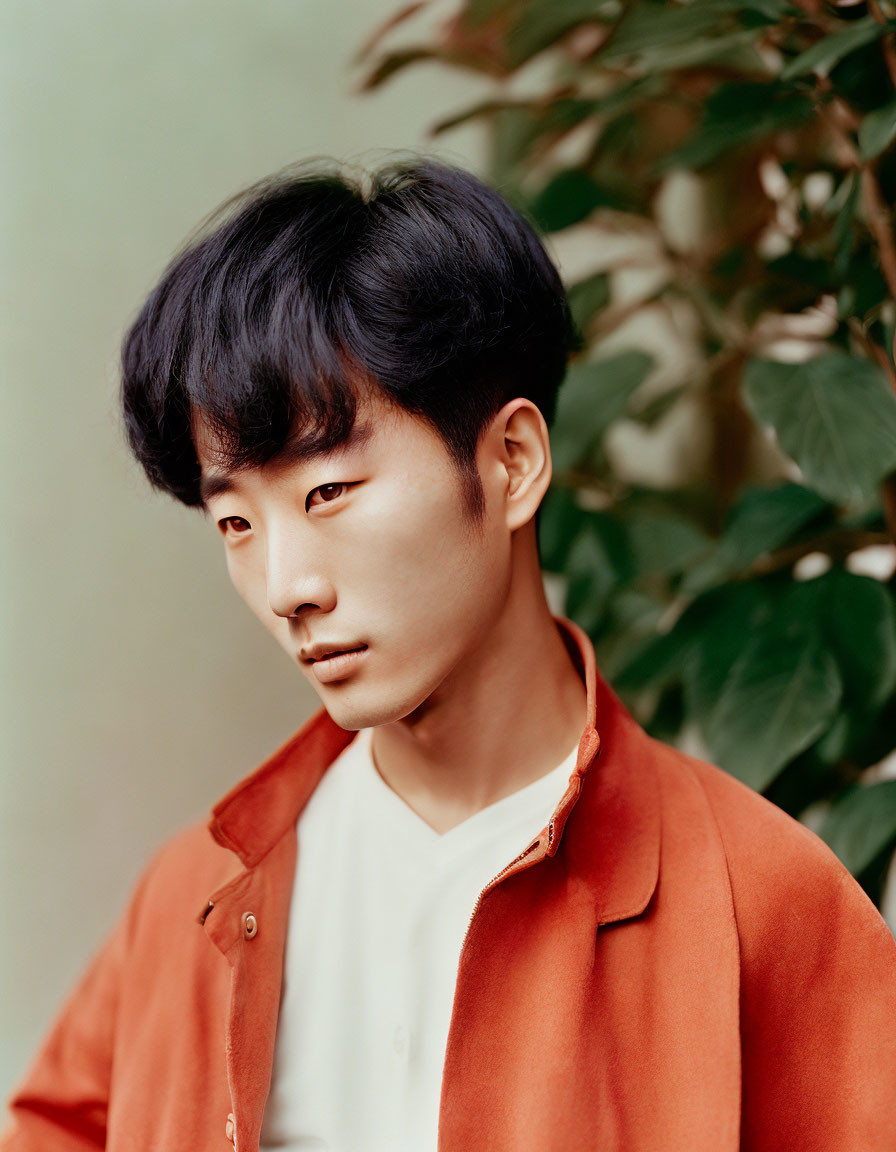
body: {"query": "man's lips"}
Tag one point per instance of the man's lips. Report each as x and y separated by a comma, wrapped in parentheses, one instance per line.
(327, 651)
(337, 664)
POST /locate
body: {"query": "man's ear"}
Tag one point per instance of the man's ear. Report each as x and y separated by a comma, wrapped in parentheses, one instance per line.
(519, 450)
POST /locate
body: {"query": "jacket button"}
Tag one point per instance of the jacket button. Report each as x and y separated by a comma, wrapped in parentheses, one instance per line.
(250, 925)
(229, 1128)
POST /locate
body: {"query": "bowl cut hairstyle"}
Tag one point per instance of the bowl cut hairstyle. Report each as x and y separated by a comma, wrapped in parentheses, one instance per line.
(308, 289)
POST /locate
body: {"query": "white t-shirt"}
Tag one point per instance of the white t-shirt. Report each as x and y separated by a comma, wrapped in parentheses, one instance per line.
(379, 912)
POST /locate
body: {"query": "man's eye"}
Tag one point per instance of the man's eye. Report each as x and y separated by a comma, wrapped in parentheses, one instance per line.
(326, 492)
(234, 526)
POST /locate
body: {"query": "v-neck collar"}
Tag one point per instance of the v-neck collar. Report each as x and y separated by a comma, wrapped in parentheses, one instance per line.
(613, 795)
(404, 816)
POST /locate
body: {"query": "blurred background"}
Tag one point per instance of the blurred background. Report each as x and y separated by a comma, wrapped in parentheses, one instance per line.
(714, 178)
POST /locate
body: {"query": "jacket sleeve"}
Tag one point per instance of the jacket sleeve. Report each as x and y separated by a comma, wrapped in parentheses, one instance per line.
(62, 1103)
(818, 995)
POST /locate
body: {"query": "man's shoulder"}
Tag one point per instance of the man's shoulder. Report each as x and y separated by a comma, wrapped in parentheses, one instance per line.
(781, 873)
(747, 821)
(180, 876)
(191, 850)
(756, 834)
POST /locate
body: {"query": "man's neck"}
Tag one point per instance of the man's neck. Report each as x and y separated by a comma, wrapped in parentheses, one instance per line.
(509, 712)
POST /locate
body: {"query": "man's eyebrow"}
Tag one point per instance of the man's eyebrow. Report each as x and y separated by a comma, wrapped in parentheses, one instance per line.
(213, 484)
(317, 444)
(303, 449)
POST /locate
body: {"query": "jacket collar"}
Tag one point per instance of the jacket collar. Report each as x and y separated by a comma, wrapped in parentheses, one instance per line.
(608, 820)
(612, 813)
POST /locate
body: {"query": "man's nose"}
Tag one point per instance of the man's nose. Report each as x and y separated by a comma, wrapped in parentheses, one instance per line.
(295, 577)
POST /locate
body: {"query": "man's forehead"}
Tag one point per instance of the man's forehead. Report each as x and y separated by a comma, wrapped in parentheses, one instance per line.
(205, 440)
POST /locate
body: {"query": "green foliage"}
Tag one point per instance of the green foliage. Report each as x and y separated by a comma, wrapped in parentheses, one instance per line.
(830, 49)
(737, 114)
(861, 824)
(877, 131)
(779, 695)
(834, 415)
(746, 150)
(594, 394)
(761, 521)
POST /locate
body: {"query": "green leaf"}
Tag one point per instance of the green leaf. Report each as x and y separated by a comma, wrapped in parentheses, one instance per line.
(734, 51)
(392, 63)
(736, 114)
(771, 11)
(762, 520)
(569, 198)
(597, 562)
(616, 151)
(824, 54)
(560, 115)
(655, 662)
(593, 395)
(483, 108)
(843, 231)
(588, 297)
(862, 824)
(632, 616)
(856, 616)
(835, 415)
(541, 25)
(514, 131)
(780, 695)
(654, 409)
(702, 643)
(627, 95)
(560, 520)
(650, 26)
(715, 626)
(877, 131)
(635, 611)
(861, 79)
(664, 544)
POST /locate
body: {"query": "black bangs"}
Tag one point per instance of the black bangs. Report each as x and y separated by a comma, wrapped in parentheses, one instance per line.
(305, 292)
(238, 331)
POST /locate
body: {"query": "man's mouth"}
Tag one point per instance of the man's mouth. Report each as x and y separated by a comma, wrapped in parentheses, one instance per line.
(319, 653)
(337, 663)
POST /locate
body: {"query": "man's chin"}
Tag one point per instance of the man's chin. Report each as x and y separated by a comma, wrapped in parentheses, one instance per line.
(355, 714)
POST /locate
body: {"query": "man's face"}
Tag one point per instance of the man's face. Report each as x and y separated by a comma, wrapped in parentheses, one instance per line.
(369, 548)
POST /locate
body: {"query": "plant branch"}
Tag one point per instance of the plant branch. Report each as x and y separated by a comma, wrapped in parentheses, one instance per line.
(888, 497)
(836, 545)
(879, 223)
(616, 315)
(872, 349)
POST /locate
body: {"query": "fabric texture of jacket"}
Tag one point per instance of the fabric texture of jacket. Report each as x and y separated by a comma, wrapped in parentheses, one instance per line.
(673, 965)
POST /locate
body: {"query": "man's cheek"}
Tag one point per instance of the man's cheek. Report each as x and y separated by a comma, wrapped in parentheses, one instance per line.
(252, 591)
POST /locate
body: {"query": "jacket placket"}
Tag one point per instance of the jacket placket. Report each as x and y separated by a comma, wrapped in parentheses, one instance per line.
(247, 922)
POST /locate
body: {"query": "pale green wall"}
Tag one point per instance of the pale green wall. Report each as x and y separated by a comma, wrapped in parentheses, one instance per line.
(136, 688)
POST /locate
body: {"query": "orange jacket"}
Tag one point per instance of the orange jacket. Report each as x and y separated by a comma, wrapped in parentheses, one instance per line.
(674, 965)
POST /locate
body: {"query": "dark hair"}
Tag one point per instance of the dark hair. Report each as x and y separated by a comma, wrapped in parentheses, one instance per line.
(302, 291)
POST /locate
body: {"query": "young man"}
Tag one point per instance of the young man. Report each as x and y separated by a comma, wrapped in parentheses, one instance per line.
(471, 905)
